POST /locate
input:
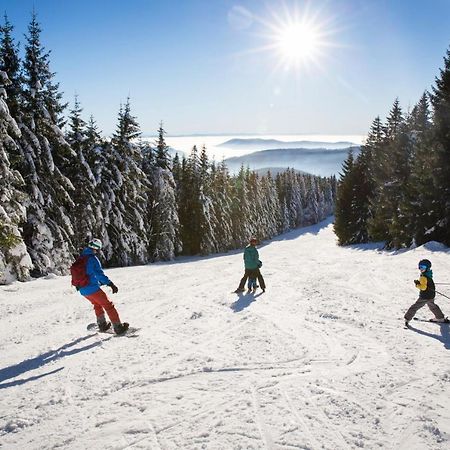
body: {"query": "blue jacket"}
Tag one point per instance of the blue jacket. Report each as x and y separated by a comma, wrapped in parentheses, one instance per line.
(251, 257)
(95, 272)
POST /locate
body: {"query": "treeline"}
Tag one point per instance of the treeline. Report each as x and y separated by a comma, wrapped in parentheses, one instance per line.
(62, 183)
(398, 188)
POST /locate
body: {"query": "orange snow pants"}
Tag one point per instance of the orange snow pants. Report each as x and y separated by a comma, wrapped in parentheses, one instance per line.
(102, 304)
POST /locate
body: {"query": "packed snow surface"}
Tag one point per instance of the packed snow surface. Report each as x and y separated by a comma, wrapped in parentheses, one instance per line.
(319, 361)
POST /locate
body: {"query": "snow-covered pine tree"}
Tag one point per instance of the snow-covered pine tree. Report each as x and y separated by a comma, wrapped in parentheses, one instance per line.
(162, 149)
(282, 189)
(271, 207)
(85, 197)
(440, 99)
(164, 223)
(48, 229)
(221, 205)
(15, 262)
(240, 209)
(294, 198)
(208, 221)
(124, 189)
(312, 208)
(10, 63)
(93, 150)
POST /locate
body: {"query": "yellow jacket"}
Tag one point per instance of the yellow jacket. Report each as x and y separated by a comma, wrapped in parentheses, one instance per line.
(423, 283)
(426, 287)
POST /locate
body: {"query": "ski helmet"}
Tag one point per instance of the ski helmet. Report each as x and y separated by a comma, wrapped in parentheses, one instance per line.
(425, 264)
(96, 244)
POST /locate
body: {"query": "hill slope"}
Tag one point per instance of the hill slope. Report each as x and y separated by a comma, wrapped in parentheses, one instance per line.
(262, 144)
(324, 162)
(321, 360)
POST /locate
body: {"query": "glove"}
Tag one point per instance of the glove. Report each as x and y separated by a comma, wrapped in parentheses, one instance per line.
(113, 287)
(259, 264)
(416, 282)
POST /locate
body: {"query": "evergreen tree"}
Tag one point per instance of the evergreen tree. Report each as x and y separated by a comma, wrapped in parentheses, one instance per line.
(48, 229)
(124, 189)
(190, 208)
(345, 222)
(85, 216)
(241, 209)
(221, 205)
(10, 63)
(15, 263)
(441, 116)
(414, 212)
(208, 223)
(164, 223)
(390, 169)
(162, 149)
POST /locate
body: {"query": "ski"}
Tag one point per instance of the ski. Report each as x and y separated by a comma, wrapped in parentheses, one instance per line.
(431, 320)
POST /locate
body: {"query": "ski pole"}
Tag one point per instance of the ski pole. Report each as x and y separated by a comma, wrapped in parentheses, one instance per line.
(443, 284)
(442, 295)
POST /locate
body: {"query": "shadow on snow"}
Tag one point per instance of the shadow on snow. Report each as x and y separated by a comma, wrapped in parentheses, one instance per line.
(244, 301)
(444, 337)
(40, 361)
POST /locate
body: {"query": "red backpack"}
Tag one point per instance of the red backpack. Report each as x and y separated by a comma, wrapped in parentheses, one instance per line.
(78, 271)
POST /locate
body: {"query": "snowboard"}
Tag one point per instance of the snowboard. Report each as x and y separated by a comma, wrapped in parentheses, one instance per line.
(131, 332)
(431, 321)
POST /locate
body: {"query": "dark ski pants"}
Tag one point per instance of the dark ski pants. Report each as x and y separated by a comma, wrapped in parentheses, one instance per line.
(248, 273)
(102, 304)
(419, 304)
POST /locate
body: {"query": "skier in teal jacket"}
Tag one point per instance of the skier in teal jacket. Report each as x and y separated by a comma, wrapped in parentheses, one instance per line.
(252, 265)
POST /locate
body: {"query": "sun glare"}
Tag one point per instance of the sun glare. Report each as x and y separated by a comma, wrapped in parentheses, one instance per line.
(297, 37)
(298, 42)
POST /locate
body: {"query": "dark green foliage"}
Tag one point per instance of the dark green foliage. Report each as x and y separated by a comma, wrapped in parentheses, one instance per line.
(440, 99)
(401, 179)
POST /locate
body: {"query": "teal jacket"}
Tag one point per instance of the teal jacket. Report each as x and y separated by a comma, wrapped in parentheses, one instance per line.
(251, 257)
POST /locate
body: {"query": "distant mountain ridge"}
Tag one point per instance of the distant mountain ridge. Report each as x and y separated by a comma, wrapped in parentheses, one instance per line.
(322, 161)
(269, 144)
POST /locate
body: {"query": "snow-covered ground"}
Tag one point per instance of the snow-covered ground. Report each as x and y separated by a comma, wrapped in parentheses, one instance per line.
(320, 361)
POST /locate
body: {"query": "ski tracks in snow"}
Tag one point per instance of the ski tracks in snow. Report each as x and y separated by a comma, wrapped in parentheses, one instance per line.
(319, 361)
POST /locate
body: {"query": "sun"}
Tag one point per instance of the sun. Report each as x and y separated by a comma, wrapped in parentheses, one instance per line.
(297, 38)
(298, 42)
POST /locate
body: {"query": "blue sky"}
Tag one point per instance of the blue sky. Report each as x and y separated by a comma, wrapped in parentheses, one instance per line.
(199, 65)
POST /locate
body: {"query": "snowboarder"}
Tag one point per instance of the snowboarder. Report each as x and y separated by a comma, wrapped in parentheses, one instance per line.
(92, 291)
(252, 265)
(425, 284)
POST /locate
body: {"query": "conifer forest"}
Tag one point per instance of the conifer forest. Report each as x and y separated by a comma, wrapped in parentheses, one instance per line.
(62, 182)
(397, 190)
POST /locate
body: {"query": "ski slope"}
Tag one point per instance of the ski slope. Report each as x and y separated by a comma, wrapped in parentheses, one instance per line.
(320, 361)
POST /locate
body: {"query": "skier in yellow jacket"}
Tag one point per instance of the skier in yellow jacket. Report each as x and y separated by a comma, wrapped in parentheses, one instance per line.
(427, 293)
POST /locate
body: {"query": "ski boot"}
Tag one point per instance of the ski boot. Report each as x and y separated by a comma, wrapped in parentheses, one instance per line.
(104, 326)
(121, 328)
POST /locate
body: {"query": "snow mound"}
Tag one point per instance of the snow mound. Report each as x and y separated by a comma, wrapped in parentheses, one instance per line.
(434, 246)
